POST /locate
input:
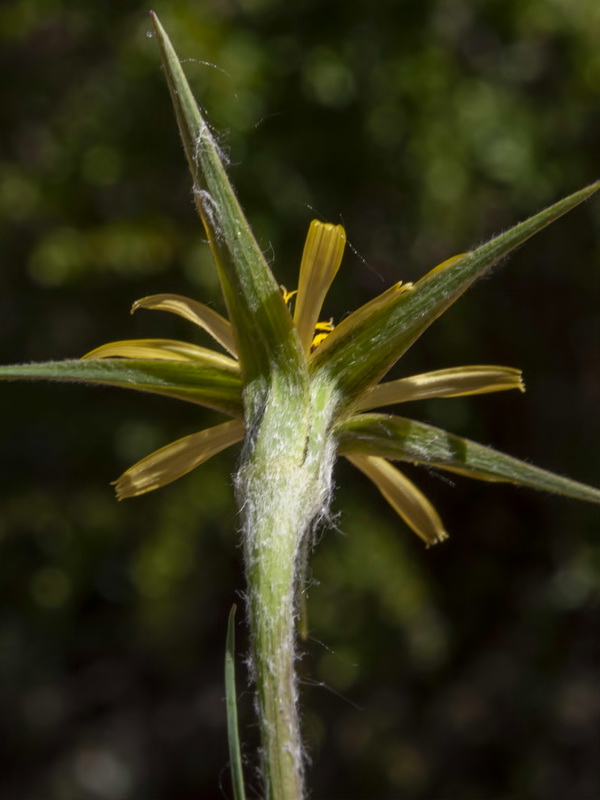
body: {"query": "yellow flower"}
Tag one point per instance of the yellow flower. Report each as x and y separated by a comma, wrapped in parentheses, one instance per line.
(299, 390)
(315, 385)
(355, 432)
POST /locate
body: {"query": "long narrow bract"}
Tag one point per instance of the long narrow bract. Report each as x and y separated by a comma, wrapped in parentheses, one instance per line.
(366, 344)
(403, 439)
(263, 330)
(183, 380)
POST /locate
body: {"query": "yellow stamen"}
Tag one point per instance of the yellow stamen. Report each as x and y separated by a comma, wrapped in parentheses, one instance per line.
(325, 326)
(287, 296)
(322, 331)
(317, 340)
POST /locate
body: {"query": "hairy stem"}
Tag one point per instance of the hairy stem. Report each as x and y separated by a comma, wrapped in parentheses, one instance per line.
(271, 551)
(282, 486)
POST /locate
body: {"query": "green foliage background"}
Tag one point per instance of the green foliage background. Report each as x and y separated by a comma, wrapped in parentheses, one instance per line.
(466, 672)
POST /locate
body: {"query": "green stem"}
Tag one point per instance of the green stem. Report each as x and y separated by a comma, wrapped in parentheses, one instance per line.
(270, 563)
(282, 485)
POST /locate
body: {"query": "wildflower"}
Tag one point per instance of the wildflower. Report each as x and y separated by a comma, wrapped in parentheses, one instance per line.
(298, 391)
(345, 364)
(369, 441)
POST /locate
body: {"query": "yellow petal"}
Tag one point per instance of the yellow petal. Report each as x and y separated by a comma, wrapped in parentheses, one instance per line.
(177, 459)
(454, 382)
(218, 327)
(404, 497)
(321, 259)
(164, 350)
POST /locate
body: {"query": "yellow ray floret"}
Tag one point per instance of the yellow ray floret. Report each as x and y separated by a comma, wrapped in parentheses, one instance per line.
(321, 260)
(453, 382)
(177, 459)
(164, 350)
(201, 315)
(404, 497)
(322, 329)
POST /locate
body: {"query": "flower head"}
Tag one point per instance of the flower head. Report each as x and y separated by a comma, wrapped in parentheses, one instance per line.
(369, 441)
(330, 375)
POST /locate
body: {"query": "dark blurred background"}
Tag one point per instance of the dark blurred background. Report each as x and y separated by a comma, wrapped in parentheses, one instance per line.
(464, 672)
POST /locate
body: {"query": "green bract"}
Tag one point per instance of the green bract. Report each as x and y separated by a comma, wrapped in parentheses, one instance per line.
(261, 323)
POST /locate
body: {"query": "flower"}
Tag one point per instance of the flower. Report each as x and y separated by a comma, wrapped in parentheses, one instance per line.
(319, 384)
(369, 441)
(298, 391)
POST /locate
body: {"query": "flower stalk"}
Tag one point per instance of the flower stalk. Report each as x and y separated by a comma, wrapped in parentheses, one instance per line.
(275, 495)
(283, 488)
(270, 552)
